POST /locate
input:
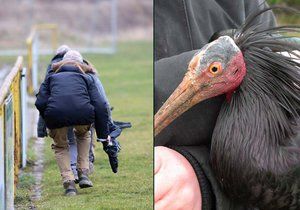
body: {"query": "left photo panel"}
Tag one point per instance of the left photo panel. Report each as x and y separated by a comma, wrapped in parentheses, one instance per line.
(76, 104)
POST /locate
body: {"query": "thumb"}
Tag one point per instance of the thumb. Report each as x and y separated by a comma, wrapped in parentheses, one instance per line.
(157, 160)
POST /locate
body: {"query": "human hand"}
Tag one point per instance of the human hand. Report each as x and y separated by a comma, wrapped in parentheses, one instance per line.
(176, 184)
(112, 149)
(108, 139)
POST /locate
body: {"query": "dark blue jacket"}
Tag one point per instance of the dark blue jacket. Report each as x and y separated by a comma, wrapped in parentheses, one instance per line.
(55, 59)
(41, 126)
(70, 98)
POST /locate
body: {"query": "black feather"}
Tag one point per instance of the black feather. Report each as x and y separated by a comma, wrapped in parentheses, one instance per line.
(254, 151)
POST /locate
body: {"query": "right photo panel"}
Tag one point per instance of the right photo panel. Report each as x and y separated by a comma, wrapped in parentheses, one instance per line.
(226, 104)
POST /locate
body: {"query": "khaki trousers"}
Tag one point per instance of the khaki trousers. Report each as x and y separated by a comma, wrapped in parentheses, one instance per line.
(61, 149)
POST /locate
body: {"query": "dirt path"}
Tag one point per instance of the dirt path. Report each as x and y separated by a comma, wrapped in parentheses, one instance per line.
(38, 167)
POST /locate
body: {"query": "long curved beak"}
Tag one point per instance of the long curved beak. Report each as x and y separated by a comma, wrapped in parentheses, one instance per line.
(183, 98)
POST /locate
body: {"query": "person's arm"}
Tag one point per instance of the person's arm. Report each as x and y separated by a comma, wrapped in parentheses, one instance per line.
(41, 125)
(101, 91)
(114, 130)
(101, 111)
(43, 96)
(41, 128)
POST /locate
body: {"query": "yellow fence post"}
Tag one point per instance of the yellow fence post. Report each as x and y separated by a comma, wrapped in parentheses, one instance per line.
(10, 120)
(15, 89)
(30, 44)
(29, 60)
(2, 162)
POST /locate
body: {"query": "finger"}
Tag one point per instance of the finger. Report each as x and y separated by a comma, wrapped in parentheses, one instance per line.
(161, 205)
(163, 179)
(170, 201)
(162, 184)
(160, 187)
(185, 197)
(167, 202)
(183, 194)
(157, 159)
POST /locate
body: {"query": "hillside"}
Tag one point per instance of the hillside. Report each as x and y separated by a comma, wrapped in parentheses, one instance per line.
(82, 22)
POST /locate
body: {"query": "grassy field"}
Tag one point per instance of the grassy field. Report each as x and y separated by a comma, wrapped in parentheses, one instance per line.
(26, 180)
(127, 78)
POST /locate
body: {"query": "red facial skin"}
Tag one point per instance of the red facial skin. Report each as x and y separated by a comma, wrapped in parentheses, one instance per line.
(225, 82)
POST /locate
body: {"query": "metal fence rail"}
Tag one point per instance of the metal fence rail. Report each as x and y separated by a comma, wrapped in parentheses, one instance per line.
(33, 52)
(12, 143)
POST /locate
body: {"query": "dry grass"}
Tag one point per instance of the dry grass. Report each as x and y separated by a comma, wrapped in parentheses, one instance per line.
(79, 20)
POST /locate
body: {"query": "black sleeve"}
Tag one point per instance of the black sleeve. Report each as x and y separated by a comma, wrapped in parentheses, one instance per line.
(43, 96)
(212, 195)
(49, 70)
(41, 125)
(101, 110)
(41, 128)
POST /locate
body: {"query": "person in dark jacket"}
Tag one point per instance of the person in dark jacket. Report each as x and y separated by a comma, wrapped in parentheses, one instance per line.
(183, 175)
(111, 149)
(60, 52)
(42, 129)
(69, 98)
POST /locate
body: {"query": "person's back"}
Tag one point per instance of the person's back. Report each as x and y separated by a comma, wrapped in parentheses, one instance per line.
(69, 102)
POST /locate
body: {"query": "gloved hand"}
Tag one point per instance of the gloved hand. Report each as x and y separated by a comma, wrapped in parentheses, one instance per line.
(112, 148)
(41, 128)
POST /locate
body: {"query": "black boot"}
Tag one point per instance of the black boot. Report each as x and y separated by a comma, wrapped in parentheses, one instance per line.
(84, 181)
(70, 189)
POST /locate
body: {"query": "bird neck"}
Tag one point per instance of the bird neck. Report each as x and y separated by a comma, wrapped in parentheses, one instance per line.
(248, 143)
(253, 127)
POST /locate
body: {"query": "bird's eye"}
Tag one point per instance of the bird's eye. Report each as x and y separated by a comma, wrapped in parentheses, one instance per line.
(215, 68)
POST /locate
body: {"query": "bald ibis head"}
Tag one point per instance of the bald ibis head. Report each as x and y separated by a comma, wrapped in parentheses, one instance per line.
(216, 69)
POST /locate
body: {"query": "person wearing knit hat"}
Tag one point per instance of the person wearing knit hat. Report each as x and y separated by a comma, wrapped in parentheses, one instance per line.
(62, 49)
(41, 125)
(73, 55)
(74, 101)
(110, 144)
